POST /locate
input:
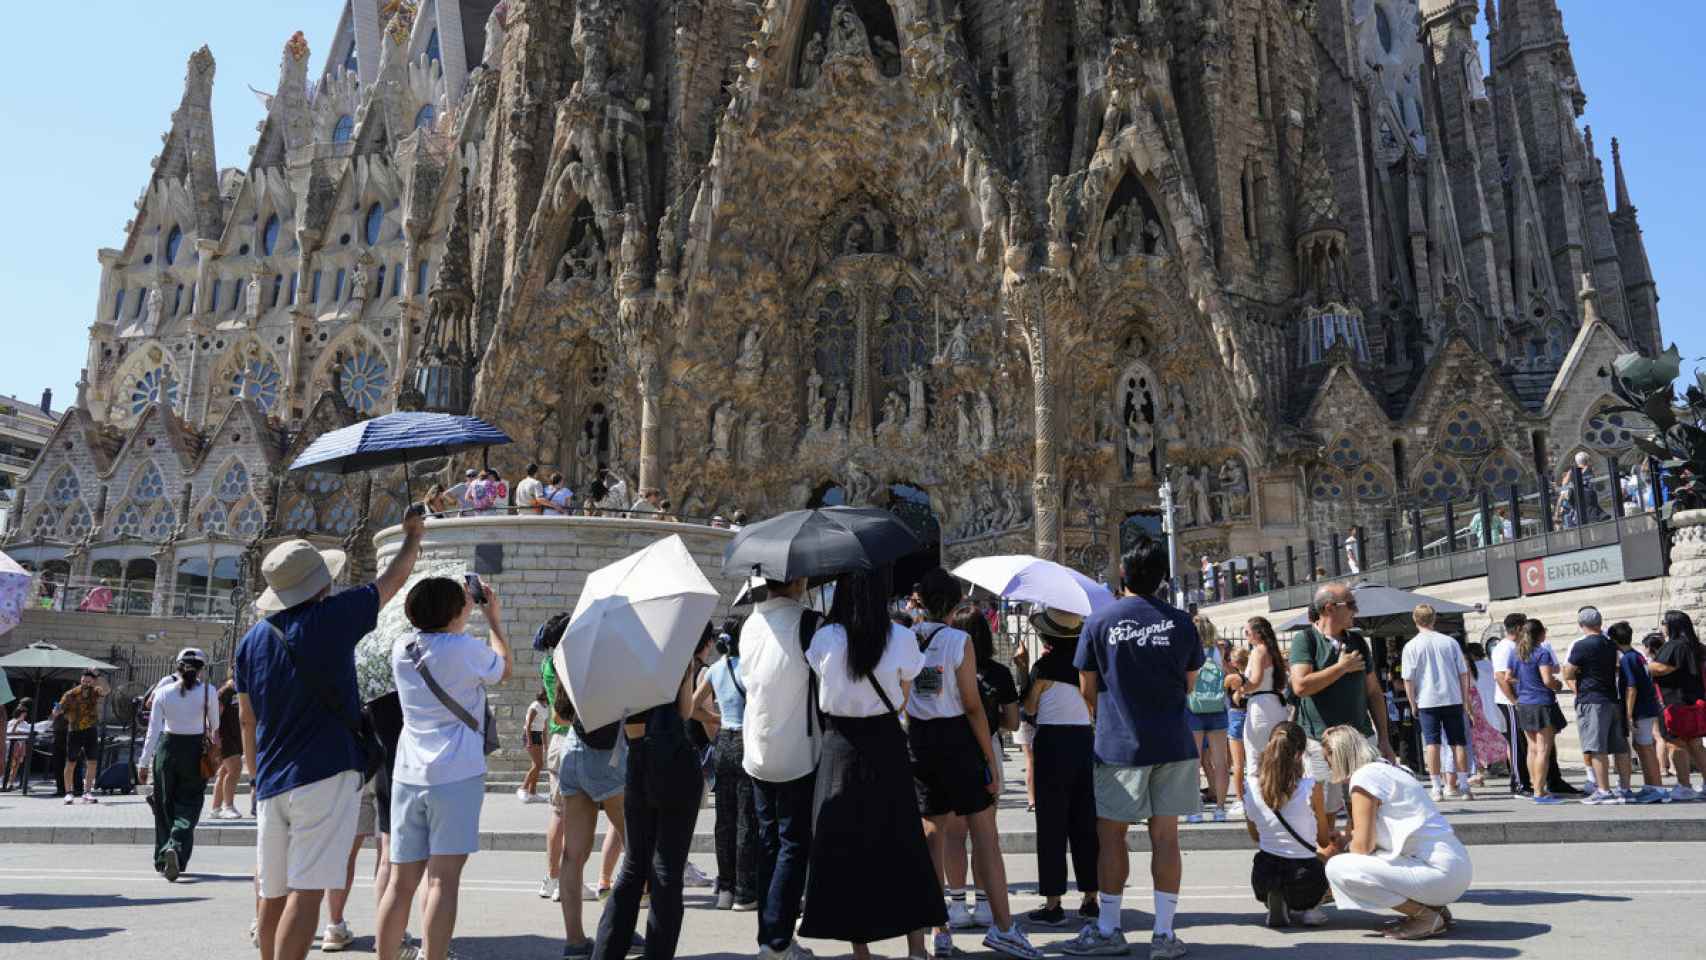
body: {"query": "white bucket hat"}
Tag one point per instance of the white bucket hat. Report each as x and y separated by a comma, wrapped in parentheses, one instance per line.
(295, 572)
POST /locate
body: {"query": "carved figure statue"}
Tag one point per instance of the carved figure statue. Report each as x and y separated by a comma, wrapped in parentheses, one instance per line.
(857, 239)
(1154, 239)
(750, 362)
(991, 209)
(817, 412)
(358, 280)
(496, 29)
(752, 439)
(722, 430)
(1185, 490)
(252, 298)
(1139, 442)
(958, 347)
(917, 412)
(964, 435)
(155, 310)
(812, 62)
(847, 34)
(985, 421)
(1059, 208)
(843, 405)
(633, 239)
(1199, 489)
(667, 253)
(894, 411)
(1234, 488)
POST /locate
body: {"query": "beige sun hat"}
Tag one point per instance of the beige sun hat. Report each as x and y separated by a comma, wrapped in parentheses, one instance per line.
(296, 572)
(1058, 624)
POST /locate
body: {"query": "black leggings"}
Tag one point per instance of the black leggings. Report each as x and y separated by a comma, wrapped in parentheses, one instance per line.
(1064, 771)
(736, 827)
(661, 806)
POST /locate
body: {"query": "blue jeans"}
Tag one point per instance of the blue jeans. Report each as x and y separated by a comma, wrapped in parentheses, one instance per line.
(784, 846)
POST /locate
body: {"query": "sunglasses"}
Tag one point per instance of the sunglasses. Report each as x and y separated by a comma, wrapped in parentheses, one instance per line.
(1347, 604)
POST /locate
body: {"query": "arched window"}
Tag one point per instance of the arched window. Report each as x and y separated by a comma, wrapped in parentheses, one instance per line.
(1466, 434)
(344, 129)
(212, 518)
(834, 345)
(1370, 483)
(349, 58)
(363, 378)
(1344, 453)
(1499, 471)
(425, 116)
(375, 220)
(66, 489)
(432, 46)
(1441, 479)
(249, 518)
(300, 516)
(257, 379)
(269, 235)
(78, 521)
(149, 486)
(1383, 27)
(127, 522)
(153, 386)
(234, 483)
(1329, 484)
(162, 521)
(46, 526)
(340, 517)
(903, 342)
(1609, 430)
(174, 240)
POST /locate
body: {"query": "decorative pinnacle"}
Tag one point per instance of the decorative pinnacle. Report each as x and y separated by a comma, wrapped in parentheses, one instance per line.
(1623, 202)
(297, 46)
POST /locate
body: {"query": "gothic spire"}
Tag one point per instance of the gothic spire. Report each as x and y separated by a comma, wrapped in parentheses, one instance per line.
(188, 154)
(1623, 202)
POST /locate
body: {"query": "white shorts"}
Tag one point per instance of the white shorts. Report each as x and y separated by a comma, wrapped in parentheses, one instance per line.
(1645, 732)
(555, 744)
(303, 836)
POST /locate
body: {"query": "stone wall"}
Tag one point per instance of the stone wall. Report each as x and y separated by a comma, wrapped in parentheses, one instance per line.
(147, 643)
(546, 561)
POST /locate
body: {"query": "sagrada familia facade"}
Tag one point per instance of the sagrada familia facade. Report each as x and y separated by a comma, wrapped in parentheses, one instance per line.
(1005, 266)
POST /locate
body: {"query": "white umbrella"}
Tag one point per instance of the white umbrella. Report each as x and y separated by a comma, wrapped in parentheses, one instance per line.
(633, 632)
(1035, 580)
(14, 592)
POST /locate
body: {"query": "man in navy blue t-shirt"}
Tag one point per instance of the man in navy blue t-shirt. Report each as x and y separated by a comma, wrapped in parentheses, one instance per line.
(1137, 662)
(296, 695)
(1641, 710)
(1591, 666)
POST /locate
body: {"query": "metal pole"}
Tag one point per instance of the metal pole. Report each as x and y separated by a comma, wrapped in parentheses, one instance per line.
(1338, 555)
(1313, 557)
(1166, 492)
(1290, 565)
(1655, 478)
(1615, 480)
(1516, 512)
(1550, 498)
(1362, 546)
(1450, 528)
(1386, 530)
(1486, 508)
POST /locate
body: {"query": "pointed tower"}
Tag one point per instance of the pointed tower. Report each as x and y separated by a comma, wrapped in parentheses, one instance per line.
(1602, 245)
(1640, 293)
(188, 154)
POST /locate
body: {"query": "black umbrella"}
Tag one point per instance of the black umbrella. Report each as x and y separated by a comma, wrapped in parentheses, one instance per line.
(819, 543)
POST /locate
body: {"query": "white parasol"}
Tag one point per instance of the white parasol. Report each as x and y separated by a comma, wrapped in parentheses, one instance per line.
(633, 632)
(1035, 580)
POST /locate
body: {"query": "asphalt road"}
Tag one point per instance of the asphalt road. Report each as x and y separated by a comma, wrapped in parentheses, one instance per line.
(1604, 901)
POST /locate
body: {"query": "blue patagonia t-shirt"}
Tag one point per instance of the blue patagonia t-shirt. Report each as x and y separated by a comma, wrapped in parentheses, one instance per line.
(1142, 651)
(298, 740)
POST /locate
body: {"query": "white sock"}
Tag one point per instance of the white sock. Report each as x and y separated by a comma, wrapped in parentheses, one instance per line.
(1108, 916)
(1433, 780)
(1166, 904)
(957, 895)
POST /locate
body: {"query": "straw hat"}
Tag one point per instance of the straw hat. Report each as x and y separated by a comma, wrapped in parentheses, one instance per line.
(296, 572)
(1050, 622)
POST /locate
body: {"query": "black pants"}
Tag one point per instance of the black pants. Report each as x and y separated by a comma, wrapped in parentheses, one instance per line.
(1302, 882)
(661, 805)
(179, 791)
(784, 813)
(1064, 771)
(737, 822)
(1518, 743)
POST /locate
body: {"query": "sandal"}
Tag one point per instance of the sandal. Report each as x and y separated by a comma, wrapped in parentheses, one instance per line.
(1429, 923)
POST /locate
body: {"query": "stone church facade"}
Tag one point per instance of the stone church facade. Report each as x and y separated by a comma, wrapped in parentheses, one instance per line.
(1005, 266)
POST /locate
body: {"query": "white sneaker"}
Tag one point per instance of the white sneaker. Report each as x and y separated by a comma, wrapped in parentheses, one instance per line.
(959, 918)
(1311, 918)
(556, 891)
(589, 893)
(1436, 793)
(694, 877)
(981, 915)
(70, 799)
(255, 934)
(336, 938)
(547, 888)
(1011, 943)
(522, 795)
(1091, 943)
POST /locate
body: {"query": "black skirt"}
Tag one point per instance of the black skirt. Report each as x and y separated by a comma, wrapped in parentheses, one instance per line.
(871, 876)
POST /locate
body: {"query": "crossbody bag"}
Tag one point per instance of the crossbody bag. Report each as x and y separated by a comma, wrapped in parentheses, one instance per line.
(366, 738)
(489, 731)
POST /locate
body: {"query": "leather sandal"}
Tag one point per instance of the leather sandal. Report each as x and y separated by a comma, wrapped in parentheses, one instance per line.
(1430, 923)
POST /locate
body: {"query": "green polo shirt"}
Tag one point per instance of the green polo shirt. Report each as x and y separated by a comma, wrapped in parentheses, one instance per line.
(1345, 700)
(548, 673)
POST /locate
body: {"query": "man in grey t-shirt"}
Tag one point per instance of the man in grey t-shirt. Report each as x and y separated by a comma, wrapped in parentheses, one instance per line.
(1436, 679)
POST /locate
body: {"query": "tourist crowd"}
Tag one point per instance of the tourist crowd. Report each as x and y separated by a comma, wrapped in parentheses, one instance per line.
(855, 757)
(485, 492)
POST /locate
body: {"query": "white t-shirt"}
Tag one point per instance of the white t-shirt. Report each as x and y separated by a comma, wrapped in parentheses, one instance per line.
(1061, 704)
(774, 671)
(180, 712)
(528, 490)
(1503, 652)
(1408, 822)
(436, 747)
(936, 690)
(1274, 838)
(535, 717)
(840, 694)
(1487, 689)
(1435, 664)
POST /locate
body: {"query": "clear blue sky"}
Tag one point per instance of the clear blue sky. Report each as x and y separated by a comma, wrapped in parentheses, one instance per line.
(93, 88)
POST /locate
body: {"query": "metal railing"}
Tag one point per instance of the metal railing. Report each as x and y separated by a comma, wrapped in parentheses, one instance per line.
(130, 598)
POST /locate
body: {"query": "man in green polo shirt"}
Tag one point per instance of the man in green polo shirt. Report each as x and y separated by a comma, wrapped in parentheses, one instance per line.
(556, 733)
(1330, 676)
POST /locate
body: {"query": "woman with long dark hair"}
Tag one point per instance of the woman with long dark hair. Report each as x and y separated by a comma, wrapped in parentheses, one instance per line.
(1063, 752)
(183, 715)
(230, 755)
(736, 826)
(1001, 708)
(1287, 817)
(871, 876)
(1264, 678)
(1676, 672)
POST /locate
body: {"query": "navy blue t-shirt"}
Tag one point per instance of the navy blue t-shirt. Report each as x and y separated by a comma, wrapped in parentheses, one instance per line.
(297, 739)
(1632, 674)
(1595, 658)
(1142, 650)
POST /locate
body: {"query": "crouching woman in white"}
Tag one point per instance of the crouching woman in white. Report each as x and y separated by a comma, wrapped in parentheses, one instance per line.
(439, 779)
(1402, 854)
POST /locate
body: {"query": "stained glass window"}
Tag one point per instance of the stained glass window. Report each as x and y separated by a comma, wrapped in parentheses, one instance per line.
(1609, 430)
(258, 380)
(269, 235)
(46, 525)
(234, 483)
(66, 489)
(1498, 472)
(1370, 483)
(322, 483)
(1329, 485)
(149, 486)
(153, 387)
(1441, 479)
(174, 241)
(77, 522)
(300, 516)
(904, 345)
(212, 519)
(432, 45)
(340, 517)
(1343, 453)
(250, 518)
(425, 116)
(128, 521)
(364, 378)
(1466, 435)
(343, 129)
(375, 220)
(162, 521)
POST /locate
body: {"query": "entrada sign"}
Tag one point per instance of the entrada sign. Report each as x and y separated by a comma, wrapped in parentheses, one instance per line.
(1568, 571)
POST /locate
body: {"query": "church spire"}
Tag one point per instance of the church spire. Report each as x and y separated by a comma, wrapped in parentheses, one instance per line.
(188, 154)
(1623, 202)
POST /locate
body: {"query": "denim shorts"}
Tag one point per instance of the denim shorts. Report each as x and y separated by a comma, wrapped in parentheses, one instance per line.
(597, 774)
(1207, 722)
(438, 820)
(1235, 724)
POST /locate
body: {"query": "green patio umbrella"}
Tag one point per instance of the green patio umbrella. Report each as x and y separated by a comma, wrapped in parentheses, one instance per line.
(43, 661)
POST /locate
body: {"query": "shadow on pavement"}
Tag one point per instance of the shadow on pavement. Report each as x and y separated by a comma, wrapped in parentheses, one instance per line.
(1500, 897)
(532, 947)
(75, 901)
(54, 934)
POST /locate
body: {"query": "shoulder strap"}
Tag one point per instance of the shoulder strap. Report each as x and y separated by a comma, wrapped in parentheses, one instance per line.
(327, 698)
(734, 677)
(925, 638)
(461, 713)
(882, 693)
(1292, 830)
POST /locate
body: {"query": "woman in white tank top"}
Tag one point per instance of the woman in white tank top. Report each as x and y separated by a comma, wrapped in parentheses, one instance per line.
(1063, 755)
(1263, 679)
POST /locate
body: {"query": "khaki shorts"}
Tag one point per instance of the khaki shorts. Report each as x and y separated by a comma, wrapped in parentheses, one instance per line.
(1134, 794)
(554, 764)
(303, 836)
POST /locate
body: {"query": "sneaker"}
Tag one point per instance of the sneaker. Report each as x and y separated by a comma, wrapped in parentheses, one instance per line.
(1452, 793)
(90, 798)
(1651, 795)
(1550, 799)
(1046, 916)
(1193, 818)
(589, 893)
(942, 946)
(70, 799)
(1166, 946)
(171, 868)
(981, 915)
(1436, 793)
(1600, 798)
(694, 877)
(1091, 943)
(1011, 943)
(604, 892)
(638, 947)
(1278, 914)
(746, 906)
(547, 887)
(1626, 795)
(336, 938)
(1683, 795)
(1235, 810)
(959, 918)
(726, 900)
(556, 891)
(1311, 918)
(577, 951)
(255, 934)
(409, 952)
(1219, 815)
(522, 795)
(796, 952)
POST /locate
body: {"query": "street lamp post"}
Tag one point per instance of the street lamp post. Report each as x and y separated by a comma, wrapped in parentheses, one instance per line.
(1166, 492)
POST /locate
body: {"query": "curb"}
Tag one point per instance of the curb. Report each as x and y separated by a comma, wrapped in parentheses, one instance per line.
(1193, 837)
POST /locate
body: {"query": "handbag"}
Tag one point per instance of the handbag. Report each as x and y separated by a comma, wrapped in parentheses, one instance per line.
(210, 755)
(490, 730)
(361, 728)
